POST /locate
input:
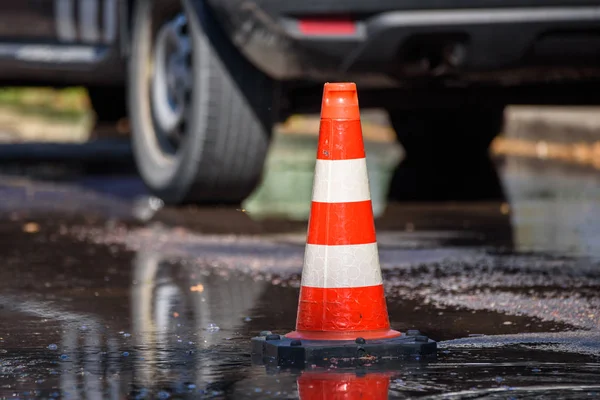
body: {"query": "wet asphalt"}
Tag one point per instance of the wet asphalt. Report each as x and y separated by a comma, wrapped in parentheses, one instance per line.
(106, 294)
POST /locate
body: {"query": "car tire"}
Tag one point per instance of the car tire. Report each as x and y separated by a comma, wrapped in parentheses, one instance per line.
(446, 154)
(222, 141)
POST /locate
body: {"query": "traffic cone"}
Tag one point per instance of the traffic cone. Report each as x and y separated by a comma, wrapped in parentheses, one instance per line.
(342, 294)
(342, 310)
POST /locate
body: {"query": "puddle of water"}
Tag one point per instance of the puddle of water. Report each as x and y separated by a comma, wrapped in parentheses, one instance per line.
(99, 321)
(148, 326)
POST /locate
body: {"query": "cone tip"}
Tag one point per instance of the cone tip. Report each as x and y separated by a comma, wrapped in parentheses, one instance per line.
(340, 101)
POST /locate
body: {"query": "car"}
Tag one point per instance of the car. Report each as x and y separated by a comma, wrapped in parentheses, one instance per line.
(203, 82)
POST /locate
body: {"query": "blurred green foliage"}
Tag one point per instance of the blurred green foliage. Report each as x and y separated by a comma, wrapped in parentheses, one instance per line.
(70, 104)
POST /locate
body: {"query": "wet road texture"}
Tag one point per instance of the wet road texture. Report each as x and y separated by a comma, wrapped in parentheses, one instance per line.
(106, 295)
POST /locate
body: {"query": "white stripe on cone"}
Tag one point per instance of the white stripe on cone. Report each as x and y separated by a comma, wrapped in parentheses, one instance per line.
(342, 266)
(341, 181)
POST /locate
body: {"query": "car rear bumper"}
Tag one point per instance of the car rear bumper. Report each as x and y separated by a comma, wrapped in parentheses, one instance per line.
(383, 46)
(63, 42)
(61, 64)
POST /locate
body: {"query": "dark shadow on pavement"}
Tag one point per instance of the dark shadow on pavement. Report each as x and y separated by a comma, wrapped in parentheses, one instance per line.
(104, 166)
(443, 176)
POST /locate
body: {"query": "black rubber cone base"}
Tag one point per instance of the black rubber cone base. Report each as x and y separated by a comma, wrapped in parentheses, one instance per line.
(269, 348)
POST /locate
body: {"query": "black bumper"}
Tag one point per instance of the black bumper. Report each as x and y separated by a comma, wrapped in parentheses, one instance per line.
(388, 43)
(61, 64)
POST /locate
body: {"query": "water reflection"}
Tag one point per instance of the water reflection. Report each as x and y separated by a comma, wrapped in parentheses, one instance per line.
(343, 385)
(83, 363)
(183, 318)
(183, 338)
(184, 330)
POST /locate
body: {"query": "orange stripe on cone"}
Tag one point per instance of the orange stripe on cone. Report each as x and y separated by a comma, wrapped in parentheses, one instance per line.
(342, 312)
(342, 295)
(341, 223)
(340, 140)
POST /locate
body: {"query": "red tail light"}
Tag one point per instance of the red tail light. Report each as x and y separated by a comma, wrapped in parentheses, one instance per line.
(323, 26)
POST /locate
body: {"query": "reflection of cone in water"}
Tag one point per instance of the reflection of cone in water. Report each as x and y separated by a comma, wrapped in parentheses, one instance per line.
(342, 293)
(347, 386)
(342, 310)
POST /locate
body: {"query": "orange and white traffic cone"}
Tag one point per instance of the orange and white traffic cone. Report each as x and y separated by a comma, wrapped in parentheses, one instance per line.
(342, 294)
(342, 310)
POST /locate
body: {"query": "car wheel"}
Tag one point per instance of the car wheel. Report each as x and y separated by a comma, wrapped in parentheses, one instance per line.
(201, 115)
(446, 154)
